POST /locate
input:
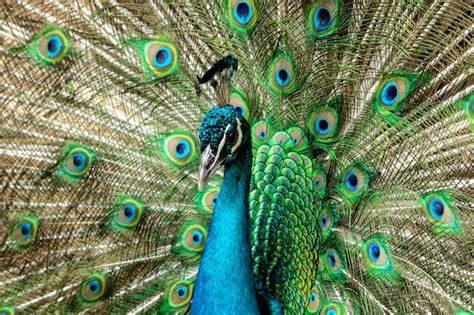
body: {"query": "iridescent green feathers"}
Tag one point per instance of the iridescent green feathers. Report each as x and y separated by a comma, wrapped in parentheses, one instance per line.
(362, 126)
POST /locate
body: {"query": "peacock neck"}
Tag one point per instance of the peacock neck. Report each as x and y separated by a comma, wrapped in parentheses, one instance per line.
(225, 282)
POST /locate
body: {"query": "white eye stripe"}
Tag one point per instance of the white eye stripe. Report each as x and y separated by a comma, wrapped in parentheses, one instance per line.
(239, 139)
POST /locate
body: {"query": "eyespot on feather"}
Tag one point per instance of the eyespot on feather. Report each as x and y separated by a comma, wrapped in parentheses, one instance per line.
(324, 17)
(314, 304)
(282, 77)
(161, 57)
(206, 200)
(242, 14)
(24, 231)
(93, 288)
(238, 100)
(76, 162)
(128, 212)
(324, 124)
(439, 210)
(178, 147)
(180, 293)
(50, 46)
(354, 181)
(261, 132)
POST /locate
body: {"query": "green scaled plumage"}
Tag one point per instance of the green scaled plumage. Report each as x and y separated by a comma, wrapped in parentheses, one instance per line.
(100, 109)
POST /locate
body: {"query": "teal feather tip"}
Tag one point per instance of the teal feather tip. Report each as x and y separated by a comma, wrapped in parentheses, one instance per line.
(159, 57)
(206, 200)
(324, 18)
(242, 14)
(76, 161)
(178, 148)
(282, 74)
(354, 181)
(377, 258)
(50, 46)
(93, 288)
(178, 297)
(439, 211)
(191, 239)
(7, 310)
(127, 213)
(24, 231)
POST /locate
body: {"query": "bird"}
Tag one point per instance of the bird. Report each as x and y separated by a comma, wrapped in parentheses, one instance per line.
(236, 157)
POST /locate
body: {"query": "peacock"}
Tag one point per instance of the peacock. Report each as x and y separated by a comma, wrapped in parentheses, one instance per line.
(237, 157)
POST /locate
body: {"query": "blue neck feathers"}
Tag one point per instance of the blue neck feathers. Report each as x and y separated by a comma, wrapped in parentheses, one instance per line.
(225, 282)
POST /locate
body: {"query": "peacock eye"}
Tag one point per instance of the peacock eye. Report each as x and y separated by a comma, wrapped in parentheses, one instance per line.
(128, 212)
(242, 14)
(376, 255)
(78, 161)
(161, 57)
(206, 200)
(298, 138)
(374, 252)
(440, 212)
(324, 221)
(389, 93)
(182, 291)
(319, 181)
(25, 230)
(355, 180)
(52, 45)
(351, 181)
(436, 207)
(194, 236)
(282, 79)
(323, 17)
(180, 294)
(314, 301)
(261, 131)
(323, 124)
(392, 92)
(178, 147)
(93, 288)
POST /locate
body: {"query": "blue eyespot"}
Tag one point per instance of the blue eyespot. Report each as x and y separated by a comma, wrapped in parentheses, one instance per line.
(322, 126)
(332, 259)
(317, 182)
(214, 200)
(331, 312)
(322, 18)
(312, 297)
(163, 57)
(282, 77)
(94, 286)
(79, 161)
(243, 12)
(197, 238)
(130, 212)
(182, 291)
(262, 135)
(436, 209)
(26, 230)
(390, 93)
(54, 46)
(240, 110)
(182, 149)
(374, 252)
(324, 221)
(351, 181)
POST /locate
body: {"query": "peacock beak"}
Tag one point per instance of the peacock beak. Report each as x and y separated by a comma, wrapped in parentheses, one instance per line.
(210, 163)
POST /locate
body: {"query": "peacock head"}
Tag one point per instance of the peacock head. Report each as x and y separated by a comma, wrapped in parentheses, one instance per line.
(223, 135)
